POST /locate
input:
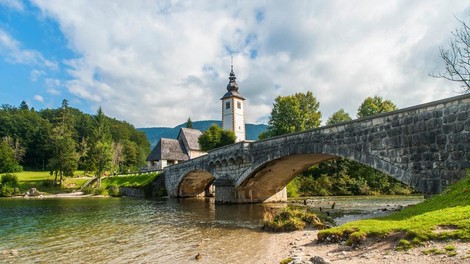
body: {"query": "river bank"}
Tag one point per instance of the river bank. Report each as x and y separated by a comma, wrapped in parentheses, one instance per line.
(302, 245)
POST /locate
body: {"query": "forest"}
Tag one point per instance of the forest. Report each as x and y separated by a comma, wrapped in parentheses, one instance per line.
(65, 139)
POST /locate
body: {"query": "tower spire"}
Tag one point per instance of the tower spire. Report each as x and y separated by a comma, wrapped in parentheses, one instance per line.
(232, 85)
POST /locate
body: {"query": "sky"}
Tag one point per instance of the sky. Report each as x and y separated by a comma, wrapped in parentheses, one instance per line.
(156, 63)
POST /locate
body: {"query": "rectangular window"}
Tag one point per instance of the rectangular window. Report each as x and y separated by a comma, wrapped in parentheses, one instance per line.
(239, 105)
(227, 105)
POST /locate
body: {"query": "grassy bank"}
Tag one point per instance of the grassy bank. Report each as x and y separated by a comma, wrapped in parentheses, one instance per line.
(43, 181)
(111, 185)
(444, 216)
(129, 181)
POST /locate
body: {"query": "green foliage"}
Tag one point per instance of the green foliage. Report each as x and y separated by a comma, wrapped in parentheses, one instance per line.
(10, 179)
(289, 219)
(375, 105)
(113, 190)
(345, 177)
(34, 130)
(189, 123)
(293, 113)
(338, 117)
(216, 137)
(9, 156)
(448, 211)
(293, 188)
(9, 185)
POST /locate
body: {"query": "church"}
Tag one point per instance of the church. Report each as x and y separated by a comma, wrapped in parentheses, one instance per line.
(186, 146)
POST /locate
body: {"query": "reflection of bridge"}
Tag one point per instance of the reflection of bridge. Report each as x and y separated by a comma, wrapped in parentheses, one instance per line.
(425, 146)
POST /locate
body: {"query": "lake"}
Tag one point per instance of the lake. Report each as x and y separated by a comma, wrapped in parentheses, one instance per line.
(128, 230)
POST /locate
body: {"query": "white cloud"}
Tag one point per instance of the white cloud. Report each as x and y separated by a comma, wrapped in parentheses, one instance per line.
(38, 98)
(14, 4)
(13, 53)
(156, 63)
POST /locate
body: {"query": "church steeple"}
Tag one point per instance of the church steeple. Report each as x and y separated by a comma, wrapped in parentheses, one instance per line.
(233, 110)
(232, 85)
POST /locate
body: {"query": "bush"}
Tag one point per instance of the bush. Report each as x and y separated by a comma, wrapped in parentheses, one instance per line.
(290, 220)
(8, 191)
(114, 191)
(10, 180)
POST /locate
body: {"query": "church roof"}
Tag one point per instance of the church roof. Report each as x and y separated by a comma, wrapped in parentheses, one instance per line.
(167, 149)
(192, 137)
(232, 87)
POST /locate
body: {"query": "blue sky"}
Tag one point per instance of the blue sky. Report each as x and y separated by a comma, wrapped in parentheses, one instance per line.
(156, 63)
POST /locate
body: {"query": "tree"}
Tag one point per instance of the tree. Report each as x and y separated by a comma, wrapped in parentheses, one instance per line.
(375, 105)
(64, 159)
(293, 113)
(24, 106)
(457, 57)
(216, 137)
(8, 157)
(338, 117)
(100, 152)
(64, 155)
(189, 123)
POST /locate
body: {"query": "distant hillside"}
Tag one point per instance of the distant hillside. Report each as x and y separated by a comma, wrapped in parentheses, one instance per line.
(155, 133)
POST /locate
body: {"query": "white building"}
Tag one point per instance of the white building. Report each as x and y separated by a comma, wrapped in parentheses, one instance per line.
(233, 109)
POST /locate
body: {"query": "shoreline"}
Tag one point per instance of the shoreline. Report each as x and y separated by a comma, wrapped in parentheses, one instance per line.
(301, 246)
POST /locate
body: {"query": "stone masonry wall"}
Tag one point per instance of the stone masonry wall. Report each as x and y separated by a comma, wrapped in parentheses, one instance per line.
(425, 146)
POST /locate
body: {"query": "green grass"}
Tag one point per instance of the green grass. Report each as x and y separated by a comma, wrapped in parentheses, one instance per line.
(444, 216)
(290, 219)
(42, 181)
(129, 181)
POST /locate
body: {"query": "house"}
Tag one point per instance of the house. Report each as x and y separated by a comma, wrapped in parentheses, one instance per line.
(188, 138)
(171, 151)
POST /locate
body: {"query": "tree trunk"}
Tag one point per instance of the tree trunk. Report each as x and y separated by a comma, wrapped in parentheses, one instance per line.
(55, 179)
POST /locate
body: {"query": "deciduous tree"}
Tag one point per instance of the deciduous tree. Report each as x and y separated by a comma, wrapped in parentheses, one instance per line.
(338, 117)
(457, 57)
(216, 137)
(375, 105)
(293, 113)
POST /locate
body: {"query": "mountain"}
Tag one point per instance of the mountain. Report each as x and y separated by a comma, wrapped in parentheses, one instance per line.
(155, 133)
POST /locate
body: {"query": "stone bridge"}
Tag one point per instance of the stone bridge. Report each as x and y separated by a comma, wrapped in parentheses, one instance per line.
(426, 147)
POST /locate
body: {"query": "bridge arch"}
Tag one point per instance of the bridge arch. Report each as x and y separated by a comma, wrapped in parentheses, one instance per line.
(266, 178)
(194, 183)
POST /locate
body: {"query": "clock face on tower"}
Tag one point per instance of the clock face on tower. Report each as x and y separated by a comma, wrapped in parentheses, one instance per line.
(233, 114)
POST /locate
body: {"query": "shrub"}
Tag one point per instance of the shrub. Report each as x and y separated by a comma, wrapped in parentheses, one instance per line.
(8, 191)
(289, 219)
(114, 191)
(10, 180)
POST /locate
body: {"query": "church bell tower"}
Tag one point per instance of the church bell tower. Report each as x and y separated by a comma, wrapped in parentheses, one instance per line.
(233, 109)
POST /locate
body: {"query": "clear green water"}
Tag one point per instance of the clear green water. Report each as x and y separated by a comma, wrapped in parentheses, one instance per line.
(127, 230)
